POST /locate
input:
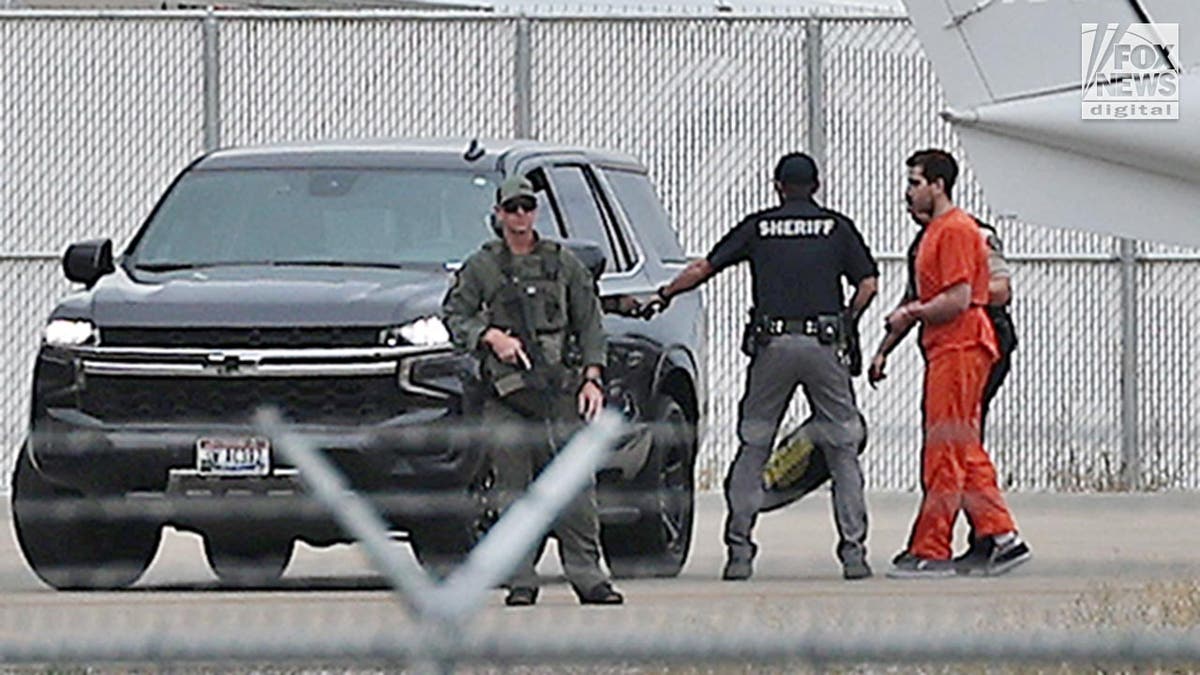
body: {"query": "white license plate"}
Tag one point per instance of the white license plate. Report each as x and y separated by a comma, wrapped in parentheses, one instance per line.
(245, 456)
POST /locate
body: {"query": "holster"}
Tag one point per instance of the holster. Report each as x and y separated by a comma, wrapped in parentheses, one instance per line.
(755, 334)
(851, 347)
(830, 329)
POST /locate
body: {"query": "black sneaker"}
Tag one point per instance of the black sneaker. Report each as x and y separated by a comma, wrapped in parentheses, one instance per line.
(855, 570)
(908, 566)
(737, 569)
(521, 596)
(601, 594)
(974, 561)
(1005, 557)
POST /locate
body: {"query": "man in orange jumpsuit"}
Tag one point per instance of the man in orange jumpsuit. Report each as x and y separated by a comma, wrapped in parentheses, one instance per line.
(960, 348)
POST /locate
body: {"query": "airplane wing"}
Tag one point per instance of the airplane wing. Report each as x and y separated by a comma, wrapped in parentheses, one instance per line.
(1020, 77)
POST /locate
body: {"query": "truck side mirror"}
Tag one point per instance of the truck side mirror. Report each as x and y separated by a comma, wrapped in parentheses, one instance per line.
(87, 261)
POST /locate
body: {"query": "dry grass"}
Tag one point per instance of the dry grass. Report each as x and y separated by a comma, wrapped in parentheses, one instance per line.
(1159, 605)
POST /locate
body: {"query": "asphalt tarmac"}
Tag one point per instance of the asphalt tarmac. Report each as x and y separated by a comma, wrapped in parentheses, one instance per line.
(1100, 561)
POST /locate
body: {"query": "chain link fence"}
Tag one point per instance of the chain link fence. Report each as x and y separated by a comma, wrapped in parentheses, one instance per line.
(100, 111)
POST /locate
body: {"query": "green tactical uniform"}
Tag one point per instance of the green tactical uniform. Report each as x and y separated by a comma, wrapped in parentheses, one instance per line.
(562, 301)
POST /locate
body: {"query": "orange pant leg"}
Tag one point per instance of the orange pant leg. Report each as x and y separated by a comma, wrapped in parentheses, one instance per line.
(981, 491)
(956, 472)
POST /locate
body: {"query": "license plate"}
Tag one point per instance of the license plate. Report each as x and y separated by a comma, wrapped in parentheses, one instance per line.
(248, 456)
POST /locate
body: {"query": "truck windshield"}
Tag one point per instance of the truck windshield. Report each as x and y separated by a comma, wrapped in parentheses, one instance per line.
(370, 217)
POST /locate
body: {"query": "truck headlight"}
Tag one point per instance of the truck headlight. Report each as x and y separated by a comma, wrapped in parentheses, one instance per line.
(422, 333)
(69, 333)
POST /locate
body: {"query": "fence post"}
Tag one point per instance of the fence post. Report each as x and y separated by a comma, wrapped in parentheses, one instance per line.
(212, 82)
(523, 80)
(814, 82)
(1131, 465)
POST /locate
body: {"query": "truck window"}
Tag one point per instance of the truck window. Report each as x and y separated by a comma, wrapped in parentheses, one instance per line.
(645, 213)
(583, 215)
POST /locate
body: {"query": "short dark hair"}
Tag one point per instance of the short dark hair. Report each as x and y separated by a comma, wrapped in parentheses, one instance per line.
(936, 164)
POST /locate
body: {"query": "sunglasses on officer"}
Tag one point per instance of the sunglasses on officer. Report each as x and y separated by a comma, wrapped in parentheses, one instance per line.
(515, 204)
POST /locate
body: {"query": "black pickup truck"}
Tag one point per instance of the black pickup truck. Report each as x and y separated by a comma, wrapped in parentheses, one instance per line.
(308, 278)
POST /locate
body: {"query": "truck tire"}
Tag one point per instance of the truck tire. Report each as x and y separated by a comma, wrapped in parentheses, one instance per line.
(658, 543)
(244, 560)
(443, 543)
(80, 550)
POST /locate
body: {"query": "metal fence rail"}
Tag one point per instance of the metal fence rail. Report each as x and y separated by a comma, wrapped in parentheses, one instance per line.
(1086, 652)
(101, 110)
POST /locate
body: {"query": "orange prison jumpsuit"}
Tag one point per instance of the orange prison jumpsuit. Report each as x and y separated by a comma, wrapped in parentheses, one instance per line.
(956, 472)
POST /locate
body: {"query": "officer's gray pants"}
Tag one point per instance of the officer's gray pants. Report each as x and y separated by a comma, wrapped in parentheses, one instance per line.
(778, 367)
(578, 527)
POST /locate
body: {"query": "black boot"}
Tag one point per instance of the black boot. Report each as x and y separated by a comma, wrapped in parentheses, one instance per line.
(600, 594)
(521, 596)
(737, 569)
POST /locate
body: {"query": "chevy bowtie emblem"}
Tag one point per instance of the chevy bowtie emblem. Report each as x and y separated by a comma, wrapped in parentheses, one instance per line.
(229, 364)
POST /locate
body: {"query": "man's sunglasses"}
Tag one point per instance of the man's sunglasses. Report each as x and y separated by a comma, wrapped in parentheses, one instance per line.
(515, 204)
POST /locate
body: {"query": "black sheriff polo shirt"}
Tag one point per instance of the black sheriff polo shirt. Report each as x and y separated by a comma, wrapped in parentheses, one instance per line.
(798, 253)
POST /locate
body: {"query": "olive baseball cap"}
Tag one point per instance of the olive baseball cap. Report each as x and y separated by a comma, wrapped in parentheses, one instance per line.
(515, 186)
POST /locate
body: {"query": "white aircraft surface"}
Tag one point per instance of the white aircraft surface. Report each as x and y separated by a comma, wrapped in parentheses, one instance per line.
(1014, 73)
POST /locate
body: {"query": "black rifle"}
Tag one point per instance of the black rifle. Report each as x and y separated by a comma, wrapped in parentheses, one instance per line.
(543, 380)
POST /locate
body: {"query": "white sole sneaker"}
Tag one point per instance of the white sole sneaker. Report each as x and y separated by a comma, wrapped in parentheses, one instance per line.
(1007, 559)
(937, 572)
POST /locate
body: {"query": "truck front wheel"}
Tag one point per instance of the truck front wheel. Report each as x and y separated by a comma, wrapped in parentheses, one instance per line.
(67, 541)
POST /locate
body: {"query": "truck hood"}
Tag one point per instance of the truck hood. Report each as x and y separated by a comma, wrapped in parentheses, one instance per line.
(266, 296)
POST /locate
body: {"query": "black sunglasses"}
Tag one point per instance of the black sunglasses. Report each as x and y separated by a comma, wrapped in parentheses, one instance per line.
(515, 204)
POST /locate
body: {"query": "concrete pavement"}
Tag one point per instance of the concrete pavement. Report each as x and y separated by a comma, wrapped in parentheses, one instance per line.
(1129, 561)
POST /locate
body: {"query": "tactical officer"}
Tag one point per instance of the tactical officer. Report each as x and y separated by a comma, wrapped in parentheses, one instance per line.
(513, 304)
(799, 253)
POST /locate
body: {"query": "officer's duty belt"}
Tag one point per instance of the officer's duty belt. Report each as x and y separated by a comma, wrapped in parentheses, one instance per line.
(806, 326)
